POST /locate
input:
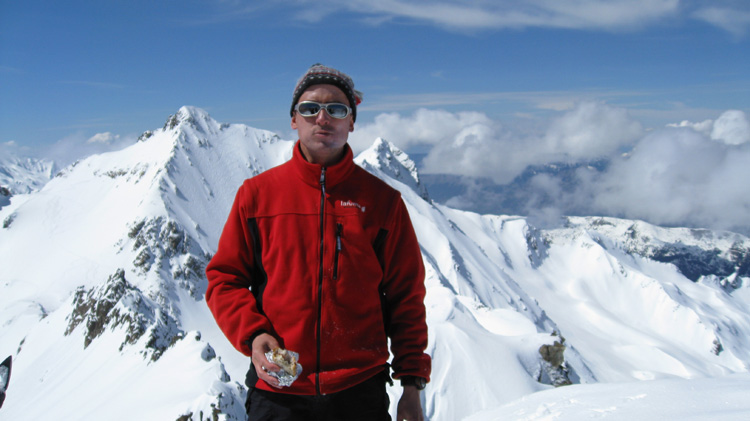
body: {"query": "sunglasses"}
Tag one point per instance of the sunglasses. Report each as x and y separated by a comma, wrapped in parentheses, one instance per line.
(311, 109)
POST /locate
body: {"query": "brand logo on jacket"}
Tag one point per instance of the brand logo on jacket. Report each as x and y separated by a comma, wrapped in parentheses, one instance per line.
(350, 204)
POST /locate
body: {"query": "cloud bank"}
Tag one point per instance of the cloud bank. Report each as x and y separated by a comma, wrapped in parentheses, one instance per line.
(734, 21)
(676, 177)
(470, 143)
(686, 174)
(611, 15)
(71, 148)
(577, 14)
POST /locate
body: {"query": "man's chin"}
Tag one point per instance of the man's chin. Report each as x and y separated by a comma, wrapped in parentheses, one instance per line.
(328, 140)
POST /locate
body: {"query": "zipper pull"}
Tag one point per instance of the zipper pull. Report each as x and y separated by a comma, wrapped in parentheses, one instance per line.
(339, 230)
(323, 177)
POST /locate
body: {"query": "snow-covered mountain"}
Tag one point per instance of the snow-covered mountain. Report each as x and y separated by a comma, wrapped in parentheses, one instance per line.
(25, 175)
(20, 176)
(102, 291)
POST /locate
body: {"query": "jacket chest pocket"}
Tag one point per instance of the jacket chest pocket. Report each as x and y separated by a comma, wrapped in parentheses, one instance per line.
(355, 265)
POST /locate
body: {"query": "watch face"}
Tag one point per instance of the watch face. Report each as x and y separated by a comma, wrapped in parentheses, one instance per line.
(420, 383)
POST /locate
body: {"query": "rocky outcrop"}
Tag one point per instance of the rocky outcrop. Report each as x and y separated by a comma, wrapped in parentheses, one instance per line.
(118, 304)
(554, 370)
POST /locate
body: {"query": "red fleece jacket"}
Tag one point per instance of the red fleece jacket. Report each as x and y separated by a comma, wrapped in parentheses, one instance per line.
(326, 268)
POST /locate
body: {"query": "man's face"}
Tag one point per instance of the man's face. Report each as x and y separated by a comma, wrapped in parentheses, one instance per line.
(322, 137)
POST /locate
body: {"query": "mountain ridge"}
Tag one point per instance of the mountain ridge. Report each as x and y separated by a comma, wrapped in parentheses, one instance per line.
(106, 263)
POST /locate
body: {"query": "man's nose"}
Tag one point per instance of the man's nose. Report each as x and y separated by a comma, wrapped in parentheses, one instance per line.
(323, 115)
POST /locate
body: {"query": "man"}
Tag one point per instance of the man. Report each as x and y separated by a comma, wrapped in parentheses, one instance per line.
(319, 257)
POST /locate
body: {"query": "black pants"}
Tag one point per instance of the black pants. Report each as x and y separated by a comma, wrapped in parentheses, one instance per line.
(367, 401)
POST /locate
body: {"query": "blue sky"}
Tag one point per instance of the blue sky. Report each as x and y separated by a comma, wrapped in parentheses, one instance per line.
(660, 89)
(77, 68)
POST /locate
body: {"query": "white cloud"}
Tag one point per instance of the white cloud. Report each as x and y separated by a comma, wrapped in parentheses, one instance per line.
(467, 143)
(70, 148)
(424, 127)
(703, 127)
(103, 138)
(540, 103)
(677, 177)
(590, 131)
(732, 16)
(605, 14)
(470, 143)
(731, 128)
(732, 20)
(572, 14)
(690, 174)
(76, 146)
(12, 148)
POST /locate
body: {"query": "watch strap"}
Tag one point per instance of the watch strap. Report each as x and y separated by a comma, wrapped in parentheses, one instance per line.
(418, 382)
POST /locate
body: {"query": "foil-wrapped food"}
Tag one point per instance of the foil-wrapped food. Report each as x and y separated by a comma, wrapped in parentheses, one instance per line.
(287, 360)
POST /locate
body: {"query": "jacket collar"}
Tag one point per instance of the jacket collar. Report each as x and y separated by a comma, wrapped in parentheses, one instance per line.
(310, 173)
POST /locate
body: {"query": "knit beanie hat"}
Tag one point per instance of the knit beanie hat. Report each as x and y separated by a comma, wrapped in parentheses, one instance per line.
(319, 74)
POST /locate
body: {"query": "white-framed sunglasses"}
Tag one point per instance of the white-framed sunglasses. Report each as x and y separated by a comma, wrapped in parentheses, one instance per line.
(311, 109)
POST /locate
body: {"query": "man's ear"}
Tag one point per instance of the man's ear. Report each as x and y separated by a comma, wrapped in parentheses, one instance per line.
(351, 125)
(294, 121)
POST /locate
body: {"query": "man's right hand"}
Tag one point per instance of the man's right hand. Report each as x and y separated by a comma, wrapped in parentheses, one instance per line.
(262, 344)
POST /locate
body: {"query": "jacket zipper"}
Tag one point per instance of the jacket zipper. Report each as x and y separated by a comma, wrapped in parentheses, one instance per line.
(339, 230)
(320, 277)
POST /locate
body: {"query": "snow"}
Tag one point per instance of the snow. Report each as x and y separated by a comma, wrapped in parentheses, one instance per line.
(102, 307)
(671, 399)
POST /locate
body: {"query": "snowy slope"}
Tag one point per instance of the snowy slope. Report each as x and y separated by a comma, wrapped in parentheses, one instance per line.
(102, 307)
(668, 399)
(106, 264)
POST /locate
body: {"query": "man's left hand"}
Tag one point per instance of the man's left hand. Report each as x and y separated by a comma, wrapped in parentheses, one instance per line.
(410, 406)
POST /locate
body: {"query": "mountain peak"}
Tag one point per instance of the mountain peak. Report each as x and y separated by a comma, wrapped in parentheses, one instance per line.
(387, 158)
(195, 118)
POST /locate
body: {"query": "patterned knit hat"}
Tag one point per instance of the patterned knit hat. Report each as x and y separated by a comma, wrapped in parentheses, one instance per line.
(319, 74)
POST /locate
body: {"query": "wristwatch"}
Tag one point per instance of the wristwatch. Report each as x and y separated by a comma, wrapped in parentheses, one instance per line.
(418, 382)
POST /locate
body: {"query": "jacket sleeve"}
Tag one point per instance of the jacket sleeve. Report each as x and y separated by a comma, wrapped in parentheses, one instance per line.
(229, 272)
(404, 293)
